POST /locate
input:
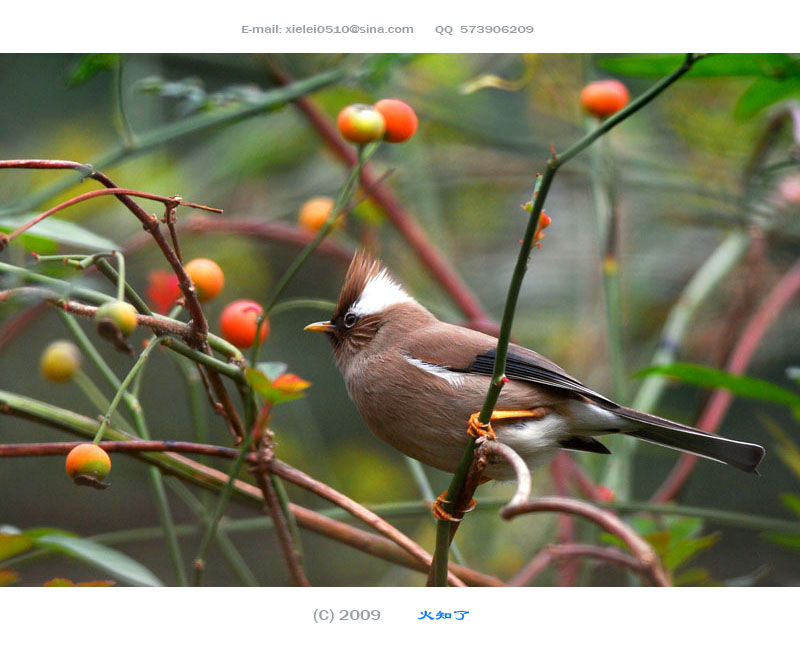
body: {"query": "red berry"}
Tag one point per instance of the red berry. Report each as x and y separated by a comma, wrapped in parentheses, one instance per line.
(162, 290)
(604, 98)
(60, 361)
(360, 123)
(401, 120)
(88, 460)
(238, 323)
(207, 277)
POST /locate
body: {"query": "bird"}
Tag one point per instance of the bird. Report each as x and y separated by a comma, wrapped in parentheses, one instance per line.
(419, 384)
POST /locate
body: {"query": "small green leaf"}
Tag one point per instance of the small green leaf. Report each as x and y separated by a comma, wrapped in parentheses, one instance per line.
(715, 65)
(739, 385)
(11, 545)
(91, 64)
(260, 383)
(56, 230)
(763, 93)
(682, 551)
(106, 559)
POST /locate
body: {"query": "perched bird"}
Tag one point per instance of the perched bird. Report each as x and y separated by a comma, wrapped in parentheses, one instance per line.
(418, 381)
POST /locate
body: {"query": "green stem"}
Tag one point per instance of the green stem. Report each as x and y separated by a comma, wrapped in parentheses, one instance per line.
(342, 199)
(302, 303)
(123, 385)
(211, 528)
(96, 397)
(454, 491)
(121, 275)
(226, 547)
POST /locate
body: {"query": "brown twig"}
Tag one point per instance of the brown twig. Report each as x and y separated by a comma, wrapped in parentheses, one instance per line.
(608, 521)
(22, 449)
(773, 305)
(523, 491)
(260, 468)
(567, 571)
(386, 199)
(571, 552)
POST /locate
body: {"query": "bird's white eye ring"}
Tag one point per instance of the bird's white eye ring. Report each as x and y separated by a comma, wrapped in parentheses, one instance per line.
(350, 319)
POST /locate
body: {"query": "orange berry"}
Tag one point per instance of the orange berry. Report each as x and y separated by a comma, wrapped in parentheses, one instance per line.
(88, 460)
(401, 120)
(208, 278)
(315, 213)
(60, 361)
(360, 123)
(122, 314)
(238, 323)
(604, 98)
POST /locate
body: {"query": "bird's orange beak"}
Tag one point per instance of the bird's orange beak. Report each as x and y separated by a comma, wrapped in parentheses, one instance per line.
(321, 326)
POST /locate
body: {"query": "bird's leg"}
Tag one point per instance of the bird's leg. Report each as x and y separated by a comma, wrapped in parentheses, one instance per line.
(478, 429)
(440, 513)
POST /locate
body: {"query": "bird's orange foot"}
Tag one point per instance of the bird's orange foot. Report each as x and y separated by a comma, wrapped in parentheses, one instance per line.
(478, 429)
(441, 513)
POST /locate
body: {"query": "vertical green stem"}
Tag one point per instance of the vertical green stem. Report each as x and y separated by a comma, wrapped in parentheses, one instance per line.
(211, 528)
(445, 529)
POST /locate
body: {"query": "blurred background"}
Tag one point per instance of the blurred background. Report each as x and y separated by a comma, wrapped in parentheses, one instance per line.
(705, 162)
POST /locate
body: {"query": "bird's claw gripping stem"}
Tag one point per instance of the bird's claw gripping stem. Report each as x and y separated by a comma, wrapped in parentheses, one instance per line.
(478, 429)
(440, 512)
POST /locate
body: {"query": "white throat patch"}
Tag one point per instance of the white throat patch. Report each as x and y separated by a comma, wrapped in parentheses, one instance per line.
(380, 293)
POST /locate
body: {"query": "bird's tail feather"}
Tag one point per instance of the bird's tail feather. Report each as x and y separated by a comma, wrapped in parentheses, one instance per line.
(742, 455)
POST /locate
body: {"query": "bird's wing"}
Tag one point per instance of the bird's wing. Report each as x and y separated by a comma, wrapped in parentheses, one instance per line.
(475, 353)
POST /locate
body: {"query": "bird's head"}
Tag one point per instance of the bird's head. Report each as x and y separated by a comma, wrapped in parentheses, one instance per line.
(373, 310)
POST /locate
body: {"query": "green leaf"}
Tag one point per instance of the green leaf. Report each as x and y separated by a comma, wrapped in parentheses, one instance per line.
(56, 230)
(763, 93)
(106, 559)
(682, 551)
(716, 65)
(260, 383)
(91, 64)
(11, 545)
(739, 385)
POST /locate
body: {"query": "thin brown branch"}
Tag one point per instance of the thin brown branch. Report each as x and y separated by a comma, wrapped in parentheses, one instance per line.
(608, 521)
(22, 449)
(563, 552)
(767, 313)
(260, 468)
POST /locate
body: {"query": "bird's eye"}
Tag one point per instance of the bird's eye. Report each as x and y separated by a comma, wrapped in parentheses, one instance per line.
(350, 319)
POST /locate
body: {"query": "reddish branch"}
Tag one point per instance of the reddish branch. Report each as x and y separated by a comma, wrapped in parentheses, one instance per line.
(778, 299)
(401, 220)
(260, 468)
(608, 521)
(571, 552)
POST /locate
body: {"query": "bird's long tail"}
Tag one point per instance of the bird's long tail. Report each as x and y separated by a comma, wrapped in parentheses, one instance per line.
(743, 455)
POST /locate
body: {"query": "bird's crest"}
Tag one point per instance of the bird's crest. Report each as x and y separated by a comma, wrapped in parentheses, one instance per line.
(368, 288)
